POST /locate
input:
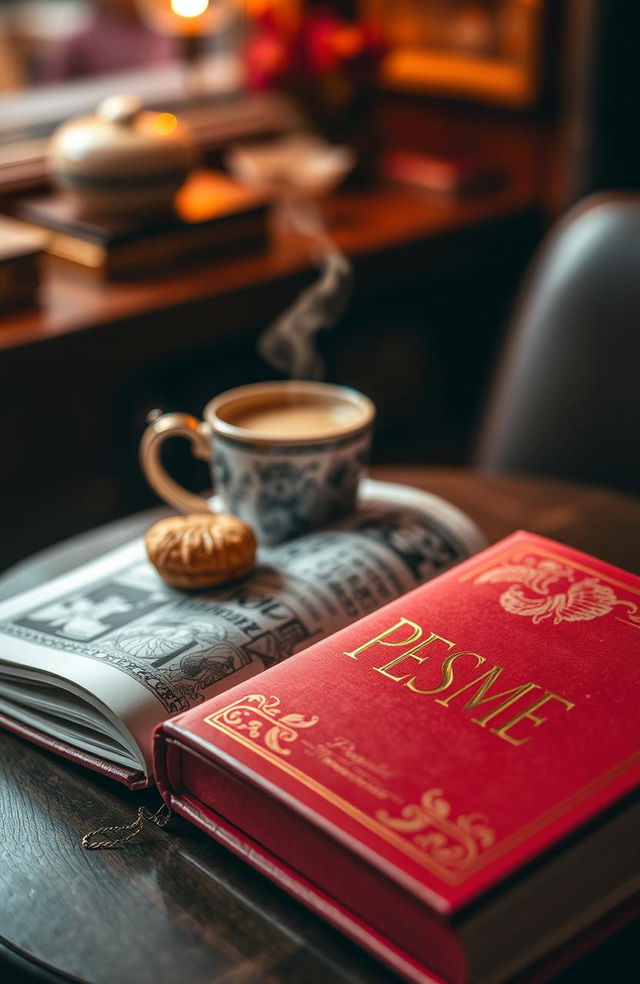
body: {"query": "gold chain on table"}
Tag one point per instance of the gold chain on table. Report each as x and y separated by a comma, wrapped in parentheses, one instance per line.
(130, 830)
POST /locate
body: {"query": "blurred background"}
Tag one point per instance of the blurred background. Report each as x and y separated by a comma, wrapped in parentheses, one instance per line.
(475, 124)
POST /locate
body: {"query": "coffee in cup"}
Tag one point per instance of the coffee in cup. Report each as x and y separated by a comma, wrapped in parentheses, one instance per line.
(285, 456)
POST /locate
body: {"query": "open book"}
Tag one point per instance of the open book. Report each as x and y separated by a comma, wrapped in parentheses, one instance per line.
(91, 662)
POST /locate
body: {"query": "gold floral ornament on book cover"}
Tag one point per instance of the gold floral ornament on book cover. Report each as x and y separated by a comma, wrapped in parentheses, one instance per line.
(541, 589)
(260, 718)
(452, 844)
(428, 831)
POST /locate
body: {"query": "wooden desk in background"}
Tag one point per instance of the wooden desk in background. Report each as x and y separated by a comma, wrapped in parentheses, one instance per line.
(175, 907)
(78, 376)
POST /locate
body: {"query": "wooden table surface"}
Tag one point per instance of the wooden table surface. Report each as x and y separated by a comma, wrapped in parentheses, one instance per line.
(373, 225)
(174, 906)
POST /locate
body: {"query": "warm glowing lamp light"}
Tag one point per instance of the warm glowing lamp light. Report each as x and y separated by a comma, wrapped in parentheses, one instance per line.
(190, 21)
(189, 8)
(164, 123)
(180, 18)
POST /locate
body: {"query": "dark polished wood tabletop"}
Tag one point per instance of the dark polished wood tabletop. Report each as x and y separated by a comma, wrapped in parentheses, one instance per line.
(175, 907)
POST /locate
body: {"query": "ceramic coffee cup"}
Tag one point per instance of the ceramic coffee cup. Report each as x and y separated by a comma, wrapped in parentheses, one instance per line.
(285, 456)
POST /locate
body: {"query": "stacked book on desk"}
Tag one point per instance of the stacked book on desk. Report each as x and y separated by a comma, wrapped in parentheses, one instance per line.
(213, 216)
(451, 779)
(20, 251)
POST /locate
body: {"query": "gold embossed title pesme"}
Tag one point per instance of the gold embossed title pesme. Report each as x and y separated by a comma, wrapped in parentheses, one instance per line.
(525, 700)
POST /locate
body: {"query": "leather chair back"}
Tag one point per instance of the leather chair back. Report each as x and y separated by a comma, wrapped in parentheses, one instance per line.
(566, 401)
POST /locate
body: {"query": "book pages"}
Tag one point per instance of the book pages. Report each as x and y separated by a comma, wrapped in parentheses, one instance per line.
(101, 655)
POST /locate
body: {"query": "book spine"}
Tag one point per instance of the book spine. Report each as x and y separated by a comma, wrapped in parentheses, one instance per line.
(18, 281)
(228, 806)
(244, 232)
(157, 252)
(130, 778)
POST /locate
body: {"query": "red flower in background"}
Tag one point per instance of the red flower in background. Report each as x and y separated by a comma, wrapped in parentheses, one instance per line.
(319, 46)
(268, 51)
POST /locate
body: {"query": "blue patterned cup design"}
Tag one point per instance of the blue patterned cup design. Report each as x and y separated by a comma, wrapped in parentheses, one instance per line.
(286, 457)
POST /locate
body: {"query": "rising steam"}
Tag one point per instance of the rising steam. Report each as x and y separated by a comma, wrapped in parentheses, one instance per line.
(297, 170)
(289, 344)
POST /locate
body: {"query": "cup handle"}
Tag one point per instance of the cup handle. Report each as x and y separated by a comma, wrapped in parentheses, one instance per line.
(164, 425)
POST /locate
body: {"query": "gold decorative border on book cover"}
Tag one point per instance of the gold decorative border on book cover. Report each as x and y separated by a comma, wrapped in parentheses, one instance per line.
(260, 718)
(452, 845)
(426, 831)
(451, 849)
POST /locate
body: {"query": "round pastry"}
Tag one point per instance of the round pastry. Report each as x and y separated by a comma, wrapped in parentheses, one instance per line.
(201, 550)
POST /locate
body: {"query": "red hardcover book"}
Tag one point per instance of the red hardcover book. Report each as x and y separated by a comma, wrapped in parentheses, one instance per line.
(451, 780)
